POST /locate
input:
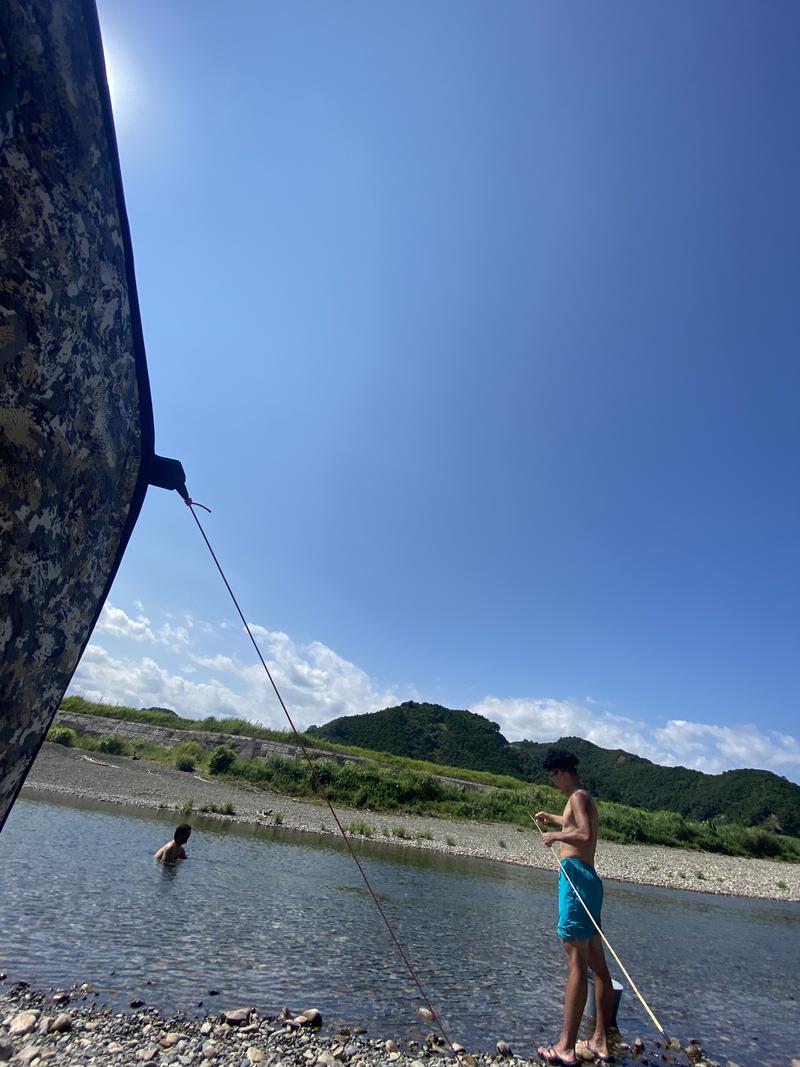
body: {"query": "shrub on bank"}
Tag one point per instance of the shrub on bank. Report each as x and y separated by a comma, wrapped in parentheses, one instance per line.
(221, 760)
(61, 735)
(113, 746)
(188, 755)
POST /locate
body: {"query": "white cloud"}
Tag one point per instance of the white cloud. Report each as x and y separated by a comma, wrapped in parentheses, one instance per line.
(701, 746)
(117, 623)
(114, 621)
(208, 677)
(144, 683)
(315, 682)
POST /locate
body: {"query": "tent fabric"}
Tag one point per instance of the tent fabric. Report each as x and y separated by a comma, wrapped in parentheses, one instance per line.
(76, 428)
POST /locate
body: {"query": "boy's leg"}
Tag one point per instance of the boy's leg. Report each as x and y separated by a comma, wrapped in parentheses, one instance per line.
(577, 953)
(603, 995)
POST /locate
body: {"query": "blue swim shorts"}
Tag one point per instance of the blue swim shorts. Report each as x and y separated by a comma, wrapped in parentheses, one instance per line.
(573, 922)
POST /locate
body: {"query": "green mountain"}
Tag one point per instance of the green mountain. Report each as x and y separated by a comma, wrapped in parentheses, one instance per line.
(429, 732)
(464, 739)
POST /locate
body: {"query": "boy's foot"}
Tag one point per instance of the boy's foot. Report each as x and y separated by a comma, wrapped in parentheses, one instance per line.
(550, 1054)
(594, 1051)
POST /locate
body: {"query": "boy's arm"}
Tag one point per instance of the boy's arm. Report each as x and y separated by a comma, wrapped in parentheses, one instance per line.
(182, 853)
(161, 853)
(545, 816)
(582, 817)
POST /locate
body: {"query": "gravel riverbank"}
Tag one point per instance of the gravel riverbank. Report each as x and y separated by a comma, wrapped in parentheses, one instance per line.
(69, 772)
(67, 1029)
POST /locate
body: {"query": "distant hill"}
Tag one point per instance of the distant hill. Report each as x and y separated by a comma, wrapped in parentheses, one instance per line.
(428, 732)
(465, 739)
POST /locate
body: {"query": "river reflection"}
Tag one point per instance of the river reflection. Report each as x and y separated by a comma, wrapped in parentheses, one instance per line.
(272, 918)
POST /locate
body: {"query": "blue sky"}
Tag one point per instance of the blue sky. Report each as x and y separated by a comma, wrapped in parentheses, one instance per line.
(476, 326)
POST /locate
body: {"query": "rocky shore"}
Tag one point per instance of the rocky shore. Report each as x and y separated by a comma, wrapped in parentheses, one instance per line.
(67, 1027)
(64, 772)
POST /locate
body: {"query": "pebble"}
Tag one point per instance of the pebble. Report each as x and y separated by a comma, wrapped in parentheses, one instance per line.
(238, 1017)
(23, 1023)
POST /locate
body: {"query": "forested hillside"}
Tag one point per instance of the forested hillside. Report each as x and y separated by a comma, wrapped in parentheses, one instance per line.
(464, 739)
(429, 732)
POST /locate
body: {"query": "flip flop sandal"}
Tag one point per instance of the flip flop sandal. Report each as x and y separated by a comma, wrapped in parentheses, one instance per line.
(549, 1055)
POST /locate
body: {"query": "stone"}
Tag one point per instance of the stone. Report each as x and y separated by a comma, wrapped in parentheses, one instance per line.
(309, 1017)
(169, 1040)
(427, 1014)
(27, 1053)
(61, 1023)
(206, 1028)
(209, 1050)
(237, 1017)
(255, 1054)
(393, 1056)
(23, 1023)
(6, 1048)
(137, 1003)
(43, 1026)
(60, 996)
(147, 1054)
(113, 1048)
(503, 1048)
(693, 1053)
(638, 1045)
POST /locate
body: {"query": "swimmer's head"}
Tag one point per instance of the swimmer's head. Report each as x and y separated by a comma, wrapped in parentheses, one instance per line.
(182, 833)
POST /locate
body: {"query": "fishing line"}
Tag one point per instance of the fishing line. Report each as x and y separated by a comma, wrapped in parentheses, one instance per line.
(434, 1017)
(606, 942)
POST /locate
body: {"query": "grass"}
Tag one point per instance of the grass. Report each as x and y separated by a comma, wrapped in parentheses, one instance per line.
(393, 784)
(363, 829)
(218, 809)
(450, 840)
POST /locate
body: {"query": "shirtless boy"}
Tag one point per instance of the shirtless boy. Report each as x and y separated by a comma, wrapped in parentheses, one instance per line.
(577, 835)
(174, 850)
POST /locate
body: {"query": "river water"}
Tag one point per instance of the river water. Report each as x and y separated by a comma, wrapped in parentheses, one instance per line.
(271, 918)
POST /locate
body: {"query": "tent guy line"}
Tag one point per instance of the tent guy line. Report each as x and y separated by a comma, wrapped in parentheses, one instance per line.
(431, 1014)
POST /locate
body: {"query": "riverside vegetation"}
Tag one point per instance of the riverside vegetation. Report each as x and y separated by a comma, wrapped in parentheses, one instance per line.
(391, 783)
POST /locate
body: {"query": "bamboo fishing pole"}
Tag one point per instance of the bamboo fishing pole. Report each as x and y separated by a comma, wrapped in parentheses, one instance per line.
(606, 942)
